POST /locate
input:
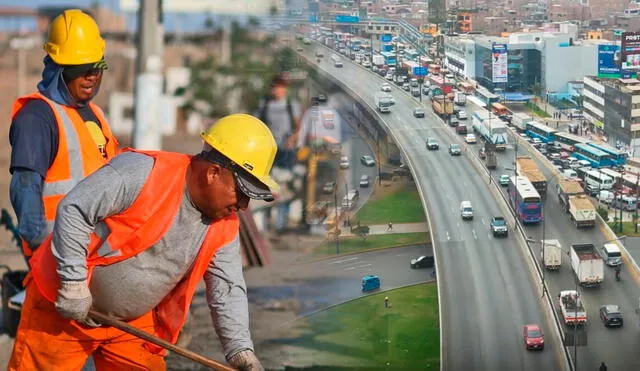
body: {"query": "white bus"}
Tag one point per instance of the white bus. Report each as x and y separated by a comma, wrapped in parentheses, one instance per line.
(613, 174)
(598, 180)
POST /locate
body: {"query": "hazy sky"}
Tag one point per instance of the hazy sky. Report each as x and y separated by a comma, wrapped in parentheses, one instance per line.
(184, 22)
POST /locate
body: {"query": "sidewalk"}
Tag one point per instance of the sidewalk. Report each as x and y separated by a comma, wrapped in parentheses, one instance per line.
(384, 229)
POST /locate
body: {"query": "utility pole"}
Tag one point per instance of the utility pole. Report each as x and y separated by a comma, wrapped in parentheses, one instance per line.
(147, 128)
(336, 224)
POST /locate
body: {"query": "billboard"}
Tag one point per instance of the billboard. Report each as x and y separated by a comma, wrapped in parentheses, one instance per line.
(630, 51)
(347, 19)
(499, 62)
(607, 64)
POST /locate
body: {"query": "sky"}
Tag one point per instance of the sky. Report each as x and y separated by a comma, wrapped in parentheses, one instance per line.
(173, 22)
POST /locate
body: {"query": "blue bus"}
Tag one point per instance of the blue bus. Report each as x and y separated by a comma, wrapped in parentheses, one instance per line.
(618, 158)
(526, 201)
(537, 130)
(486, 96)
(389, 58)
(568, 141)
(597, 158)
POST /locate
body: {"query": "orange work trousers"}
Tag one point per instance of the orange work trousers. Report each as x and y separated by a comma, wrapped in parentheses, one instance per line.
(47, 341)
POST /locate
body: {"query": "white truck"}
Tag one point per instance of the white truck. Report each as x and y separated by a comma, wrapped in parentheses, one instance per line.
(491, 128)
(383, 102)
(378, 60)
(520, 120)
(573, 311)
(574, 201)
(551, 254)
(587, 264)
(460, 99)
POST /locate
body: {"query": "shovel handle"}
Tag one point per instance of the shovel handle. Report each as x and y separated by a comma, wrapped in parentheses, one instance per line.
(107, 320)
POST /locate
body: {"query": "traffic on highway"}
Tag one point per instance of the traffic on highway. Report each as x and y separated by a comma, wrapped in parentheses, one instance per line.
(487, 294)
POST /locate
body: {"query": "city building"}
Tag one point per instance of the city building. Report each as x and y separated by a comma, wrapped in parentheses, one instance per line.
(612, 108)
(548, 60)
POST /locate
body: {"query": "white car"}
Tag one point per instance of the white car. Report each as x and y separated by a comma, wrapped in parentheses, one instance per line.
(344, 162)
(368, 161)
(389, 76)
(385, 87)
(462, 115)
(366, 64)
(364, 181)
(470, 138)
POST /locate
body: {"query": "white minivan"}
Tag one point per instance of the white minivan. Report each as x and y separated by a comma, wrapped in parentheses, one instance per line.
(611, 254)
(466, 210)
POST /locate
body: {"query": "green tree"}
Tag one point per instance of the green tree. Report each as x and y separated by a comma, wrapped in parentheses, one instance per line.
(604, 213)
(362, 231)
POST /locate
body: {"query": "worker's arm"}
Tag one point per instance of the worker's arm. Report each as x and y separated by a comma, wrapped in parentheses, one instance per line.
(34, 144)
(25, 192)
(108, 191)
(227, 298)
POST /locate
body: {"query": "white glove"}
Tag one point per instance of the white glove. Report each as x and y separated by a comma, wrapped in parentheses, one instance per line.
(246, 360)
(74, 300)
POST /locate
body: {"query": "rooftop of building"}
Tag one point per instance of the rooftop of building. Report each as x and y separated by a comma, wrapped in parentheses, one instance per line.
(631, 86)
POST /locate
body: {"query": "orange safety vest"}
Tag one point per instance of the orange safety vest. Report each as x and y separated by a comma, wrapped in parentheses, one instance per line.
(77, 155)
(141, 226)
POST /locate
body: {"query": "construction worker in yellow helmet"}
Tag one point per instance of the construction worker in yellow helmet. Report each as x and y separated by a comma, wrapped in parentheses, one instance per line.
(133, 240)
(58, 136)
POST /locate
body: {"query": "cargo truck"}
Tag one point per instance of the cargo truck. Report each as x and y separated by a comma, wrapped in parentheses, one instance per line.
(460, 99)
(587, 264)
(442, 106)
(490, 159)
(551, 254)
(491, 128)
(526, 166)
(378, 60)
(383, 102)
(520, 120)
(573, 312)
(574, 201)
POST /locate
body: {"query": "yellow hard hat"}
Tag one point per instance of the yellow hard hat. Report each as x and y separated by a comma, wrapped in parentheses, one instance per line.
(247, 142)
(74, 38)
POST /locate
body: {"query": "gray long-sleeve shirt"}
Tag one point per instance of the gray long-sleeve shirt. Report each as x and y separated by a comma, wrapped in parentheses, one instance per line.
(134, 286)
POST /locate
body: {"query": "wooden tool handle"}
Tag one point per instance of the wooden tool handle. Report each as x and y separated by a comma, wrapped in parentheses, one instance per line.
(104, 319)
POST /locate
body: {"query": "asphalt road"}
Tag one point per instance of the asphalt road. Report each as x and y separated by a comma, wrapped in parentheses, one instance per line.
(353, 147)
(487, 293)
(616, 347)
(333, 281)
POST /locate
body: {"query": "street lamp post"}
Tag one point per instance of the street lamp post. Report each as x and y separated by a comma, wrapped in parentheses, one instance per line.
(336, 220)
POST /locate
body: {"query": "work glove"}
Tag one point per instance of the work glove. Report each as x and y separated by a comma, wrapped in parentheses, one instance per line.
(246, 360)
(74, 300)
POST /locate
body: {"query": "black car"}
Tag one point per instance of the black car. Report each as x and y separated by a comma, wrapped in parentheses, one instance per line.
(423, 262)
(611, 316)
(453, 121)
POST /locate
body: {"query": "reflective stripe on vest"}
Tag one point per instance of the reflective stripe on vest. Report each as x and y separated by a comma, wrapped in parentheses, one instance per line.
(76, 166)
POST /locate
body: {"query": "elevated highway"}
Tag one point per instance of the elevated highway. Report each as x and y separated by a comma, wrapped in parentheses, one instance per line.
(487, 289)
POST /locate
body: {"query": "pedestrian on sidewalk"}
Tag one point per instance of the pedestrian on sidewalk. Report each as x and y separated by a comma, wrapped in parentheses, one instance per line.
(390, 227)
(386, 302)
(133, 240)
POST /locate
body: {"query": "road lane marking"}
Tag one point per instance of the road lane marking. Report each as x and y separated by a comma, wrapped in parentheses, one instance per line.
(448, 237)
(357, 267)
(343, 260)
(474, 234)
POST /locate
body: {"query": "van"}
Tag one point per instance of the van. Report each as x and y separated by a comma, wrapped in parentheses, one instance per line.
(624, 202)
(466, 210)
(350, 199)
(611, 254)
(584, 163)
(572, 163)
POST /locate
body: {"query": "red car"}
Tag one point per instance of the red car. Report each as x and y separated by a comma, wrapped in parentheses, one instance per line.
(533, 337)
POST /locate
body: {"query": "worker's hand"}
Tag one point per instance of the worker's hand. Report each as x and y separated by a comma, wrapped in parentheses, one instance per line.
(74, 300)
(246, 360)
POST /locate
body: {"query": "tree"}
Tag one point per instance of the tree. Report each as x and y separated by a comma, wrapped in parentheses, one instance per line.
(604, 213)
(362, 231)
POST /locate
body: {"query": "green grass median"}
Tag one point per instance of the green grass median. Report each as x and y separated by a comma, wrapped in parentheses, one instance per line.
(376, 241)
(363, 334)
(402, 206)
